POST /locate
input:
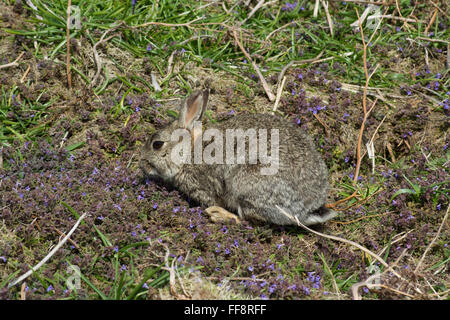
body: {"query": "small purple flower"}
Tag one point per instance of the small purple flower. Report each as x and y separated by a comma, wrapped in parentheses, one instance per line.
(289, 6)
(50, 288)
(155, 206)
(149, 47)
(272, 288)
(224, 229)
(2, 258)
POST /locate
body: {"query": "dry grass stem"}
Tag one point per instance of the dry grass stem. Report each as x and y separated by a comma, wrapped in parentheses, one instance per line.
(12, 64)
(357, 245)
(69, 76)
(444, 221)
(264, 83)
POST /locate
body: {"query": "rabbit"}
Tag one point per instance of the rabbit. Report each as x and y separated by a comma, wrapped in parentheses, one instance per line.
(240, 191)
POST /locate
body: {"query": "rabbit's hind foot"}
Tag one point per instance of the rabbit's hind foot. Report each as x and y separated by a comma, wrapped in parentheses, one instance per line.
(221, 215)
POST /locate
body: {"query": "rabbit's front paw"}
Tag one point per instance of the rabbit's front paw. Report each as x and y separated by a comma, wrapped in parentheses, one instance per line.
(220, 215)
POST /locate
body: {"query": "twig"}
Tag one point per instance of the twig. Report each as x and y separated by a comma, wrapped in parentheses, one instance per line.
(266, 87)
(279, 91)
(367, 283)
(432, 242)
(25, 74)
(97, 59)
(234, 5)
(405, 23)
(12, 64)
(23, 292)
(316, 9)
(259, 5)
(432, 40)
(389, 16)
(395, 241)
(69, 76)
(394, 290)
(49, 255)
(388, 3)
(437, 7)
(359, 201)
(433, 18)
(377, 257)
(236, 278)
(358, 147)
(292, 23)
(322, 123)
(366, 72)
(366, 113)
(330, 21)
(70, 240)
(334, 204)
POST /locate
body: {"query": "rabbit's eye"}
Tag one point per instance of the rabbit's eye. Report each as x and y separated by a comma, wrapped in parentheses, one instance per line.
(157, 145)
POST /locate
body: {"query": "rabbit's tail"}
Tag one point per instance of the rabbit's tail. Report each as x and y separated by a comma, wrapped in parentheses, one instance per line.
(319, 216)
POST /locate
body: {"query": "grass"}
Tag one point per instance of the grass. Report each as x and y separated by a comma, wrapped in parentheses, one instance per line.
(69, 151)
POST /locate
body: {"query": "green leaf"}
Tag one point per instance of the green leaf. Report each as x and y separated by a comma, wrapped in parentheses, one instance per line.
(75, 146)
(147, 275)
(104, 239)
(401, 191)
(72, 211)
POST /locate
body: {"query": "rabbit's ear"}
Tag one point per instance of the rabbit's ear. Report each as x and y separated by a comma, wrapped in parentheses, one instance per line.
(193, 108)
